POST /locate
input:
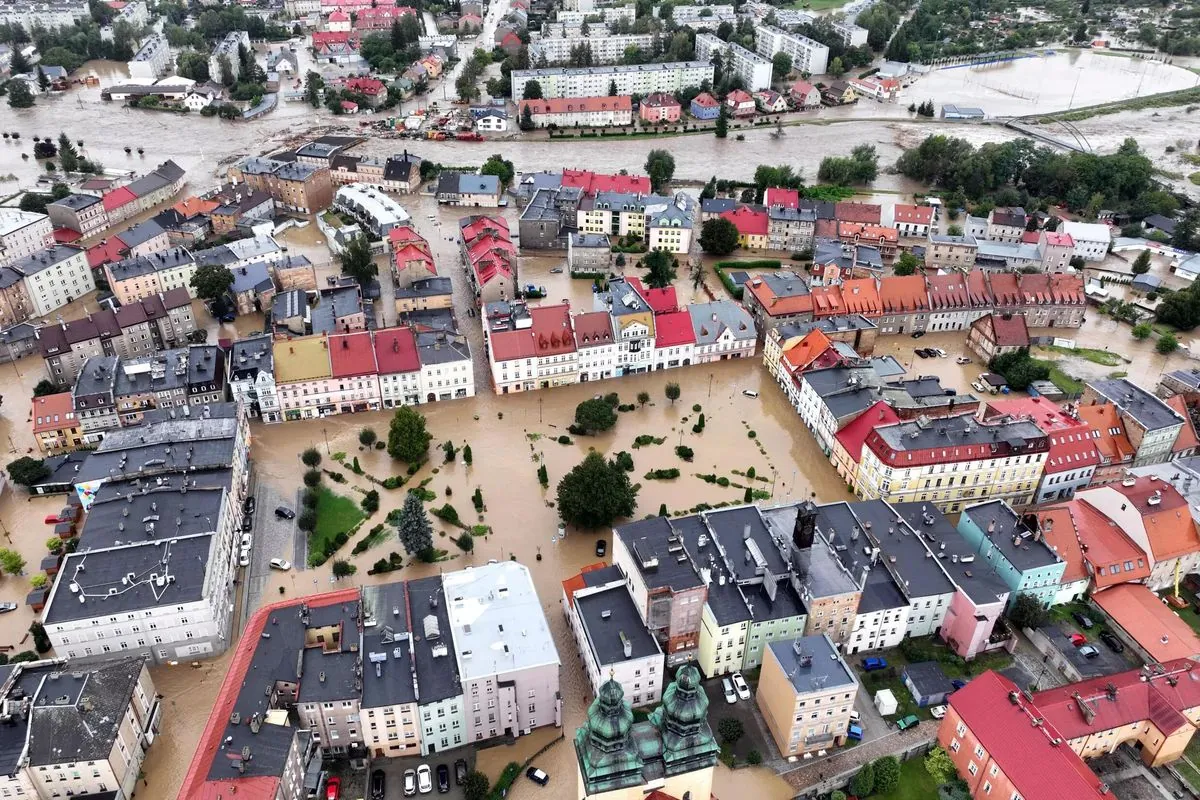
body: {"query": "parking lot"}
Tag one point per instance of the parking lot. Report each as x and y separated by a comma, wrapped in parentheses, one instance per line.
(393, 770)
(1105, 661)
(272, 538)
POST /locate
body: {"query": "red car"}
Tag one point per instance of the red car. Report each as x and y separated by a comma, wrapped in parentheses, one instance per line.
(54, 519)
(333, 788)
(1078, 639)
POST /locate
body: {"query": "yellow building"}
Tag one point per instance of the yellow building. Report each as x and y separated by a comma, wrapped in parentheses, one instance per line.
(806, 693)
(722, 647)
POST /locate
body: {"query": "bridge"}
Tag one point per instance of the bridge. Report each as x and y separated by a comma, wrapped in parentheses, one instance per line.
(1071, 138)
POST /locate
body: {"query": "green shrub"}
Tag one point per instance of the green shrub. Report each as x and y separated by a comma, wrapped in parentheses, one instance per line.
(477, 499)
(564, 440)
(312, 478)
(722, 481)
(465, 543)
(370, 502)
(543, 476)
(696, 408)
(447, 513)
(684, 452)
(662, 474)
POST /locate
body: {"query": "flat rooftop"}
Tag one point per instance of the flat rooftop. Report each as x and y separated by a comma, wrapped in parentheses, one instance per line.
(813, 664)
(611, 623)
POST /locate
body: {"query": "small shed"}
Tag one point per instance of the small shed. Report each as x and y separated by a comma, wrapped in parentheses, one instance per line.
(927, 683)
(885, 702)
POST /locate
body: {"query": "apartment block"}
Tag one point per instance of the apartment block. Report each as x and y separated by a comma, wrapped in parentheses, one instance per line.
(603, 47)
(807, 55)
(23, 233)
(806, 692)
(752, 68)
(296, 186)
(640, 79)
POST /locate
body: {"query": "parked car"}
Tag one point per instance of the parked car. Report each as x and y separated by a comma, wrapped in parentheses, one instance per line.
(280, 564)
(937, 712)
(244, 559)
(910, 721)
(978, 386)
(556, 270)
(333, 788)
(855, 717)
(749, 393)
(854, 732)
(282, 512)
(250, 504)
(378, 781)
(1084, 620)
(1110, 639)
(730, 694)
(443, 776)
(920, 351)
(962, 360)
(939, 352)
(7, 607)
(410, 782)
(460, 772)
(537, 776)
(873, 663)
(248, 523)
(739, 685)
(424, 779)
(54, 519)
(1077, 639)
(1087, 651)
(958, 683)
(246, 541)
(918, 334)
(601, 547)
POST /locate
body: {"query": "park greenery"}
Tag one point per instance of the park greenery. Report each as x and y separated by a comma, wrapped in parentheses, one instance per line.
(595, 493)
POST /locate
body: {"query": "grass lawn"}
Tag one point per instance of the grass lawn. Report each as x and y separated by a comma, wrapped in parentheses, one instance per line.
(890, 678)
(815, 5)
(1063, 381)
(1189, 616)
(335, 514)
(1189, 774)
(1102, 357)
(915, 783)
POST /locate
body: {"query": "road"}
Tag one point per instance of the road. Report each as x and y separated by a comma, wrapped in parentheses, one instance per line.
(496, 11)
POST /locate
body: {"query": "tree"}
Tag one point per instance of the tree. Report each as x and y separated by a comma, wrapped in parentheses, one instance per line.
(19, 94)
(41, 640)
(1019, 369)
(467, 456)
(226, 70)
(954, 230)
(11, 561)
(661, 268)
(643, 398)
(45, 387)
(836, 69)
(532, 91)
(594, 416)
(476, 786)
(416, 534)
(1185, 230)
(311, 457)
(721, 129)
(211, 281)
(500, 167)
(730, 729)
(192, 65)
(710, 189)
(45, 149)
(370, 502)
(357, 261)
(18, 62)
(939, 766)
(1142, 330)
(27, 471)
(313, 84)
(595, 493)
(343, 568)
(367, 437)
(312, 478)
(660, 166)
(781, 65)
(1027, 611)
(718, 236)
(672, 392)
(1167, 344)
(863, 782)
(408, 440)
(1141, 264)
(466, 542)
(907, 264)
(68, 156)
(887, 774)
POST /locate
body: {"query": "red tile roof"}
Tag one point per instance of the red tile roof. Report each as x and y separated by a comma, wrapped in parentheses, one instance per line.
(673, 329)
(855, 434)
(1067, 289)
(471, 227)
(659, 300)
(1187, 439)
(1169, 526)
(108, 251)
(748, 221)
(978, 289)
(705, 100)
(803, 353)
(803, 88)
(1061, 239)
(1107, 545)
(868, 233)
(1114, 448)
(489, 248)
(396, 351)
(1005, 289)
(857, 212)
(787, 198)
(1152, 624)
(1030, 237)
(592, 182)
(352, 354)
(117, 198)
(409, 246)
(947, 292)
(339, 16)
(660, 100)
(1071, 444)
(737, 97)
(593, 328)
(550, 335)
(573, 105)
(1038, 769)
(53, 412)
(66, 236)
(194, 206)
(913, 215)
(1006, 330)
(900, 294)
(856, 296)
(368, 86)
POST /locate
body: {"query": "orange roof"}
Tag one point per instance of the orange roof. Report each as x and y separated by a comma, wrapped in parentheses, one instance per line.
(1107, 546)
(849, 230)
(1164, 511)
(576, 105)
(861, 297)
(1058, 528)
(903, 293)
(1149, 622)
(549, 335)
(806, 351)
(779, 306)
(53, 412)
(948, 291)
(1108, 432)
(1186, 440)
(192, 206)
(576, 582)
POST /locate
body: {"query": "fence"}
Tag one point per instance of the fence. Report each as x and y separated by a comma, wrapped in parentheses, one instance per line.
(849, 762)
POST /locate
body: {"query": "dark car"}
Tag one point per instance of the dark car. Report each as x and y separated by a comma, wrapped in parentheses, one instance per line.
(460, 772)
(250, 504)
(601, 547)
(443, 773)
(1110, 639)
(285, 513)
(248, 523)
(918, 334)
(874, 663)
(921, 352)
(537, 776)
(378, 781)
(1084, 621)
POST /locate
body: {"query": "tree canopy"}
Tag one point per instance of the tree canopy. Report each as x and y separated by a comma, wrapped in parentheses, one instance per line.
(499, 166)
(211, 281)
(661, 268)
(718, 236)
(27, 471)
(860, 167)
(595, 493)
(416, 534)
(594, 416)
(660, 166)
(1019, 369)
(408, 440)
(358, 262)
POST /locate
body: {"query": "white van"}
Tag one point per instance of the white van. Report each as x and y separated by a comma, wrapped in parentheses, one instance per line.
(730, 695)
(750, 393)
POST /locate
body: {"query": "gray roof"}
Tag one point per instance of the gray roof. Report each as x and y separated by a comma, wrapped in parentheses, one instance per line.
(127, 513)
(610, 620)
(436, 665)
(318, 150)
(1146, 409)
(845, 534)
(542, 206)
(975, 576)
(784, 284)
(20, 681)
(97, 376)
(716, 205)
(928, 678)
(140, 234)
(248, 356)
(525, 74)
(144, 265)
(181, 563)
(389, 671)
(478, 184)
(836, 324)
(902, 552)
(161, 445)
(441, 347)
(255, 276)
(962, 429)
(846, 391)
(86, 725)
(1188, 377)
(709, 320)
(77, 202)
(590, 240)
(426, 287)
(965, 239)
(825, 669)
(275, 662)
(655, 557)
(290, 303)
(44, 259)
(825, 575)
(147, 184)
(1027, 554)
(792, 214)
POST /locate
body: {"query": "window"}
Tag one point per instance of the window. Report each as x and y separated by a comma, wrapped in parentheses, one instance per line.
(972, 767)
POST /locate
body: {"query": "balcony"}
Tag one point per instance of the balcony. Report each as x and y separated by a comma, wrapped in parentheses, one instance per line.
(818, 739)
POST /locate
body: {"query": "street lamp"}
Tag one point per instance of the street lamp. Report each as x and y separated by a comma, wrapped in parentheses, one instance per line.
(326, 435)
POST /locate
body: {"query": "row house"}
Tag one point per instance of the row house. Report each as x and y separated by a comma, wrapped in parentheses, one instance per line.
(490, 257)
(251, 377)
(752, 227)
(912, 221)
(54, 424)
(82, 213)
(886, 240)
(790, 229)
(957, 251)
(596, 346)
(23, 233)
(1073, 456)
(296, 186)
(573, 112)
(530, 348)
(953, 305)
(135, 278)
(905, 302)
(1151, 425)
(1115, 451)
(236, 203)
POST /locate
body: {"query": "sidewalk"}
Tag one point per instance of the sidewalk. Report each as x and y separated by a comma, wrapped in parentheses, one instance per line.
(834, 770)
